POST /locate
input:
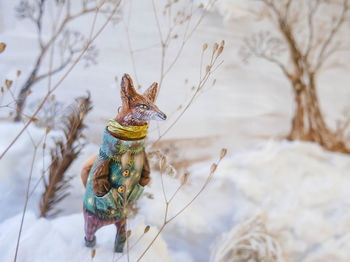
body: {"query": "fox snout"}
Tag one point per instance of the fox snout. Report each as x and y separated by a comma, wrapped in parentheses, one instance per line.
(161, 116)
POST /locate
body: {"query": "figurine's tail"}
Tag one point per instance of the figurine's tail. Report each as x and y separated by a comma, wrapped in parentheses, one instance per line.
(87, 167)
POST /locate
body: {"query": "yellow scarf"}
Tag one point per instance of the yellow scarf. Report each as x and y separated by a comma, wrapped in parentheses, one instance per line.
(127, 132)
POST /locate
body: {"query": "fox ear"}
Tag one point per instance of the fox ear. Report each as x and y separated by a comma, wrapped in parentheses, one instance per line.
(151, 92)
(127, 89)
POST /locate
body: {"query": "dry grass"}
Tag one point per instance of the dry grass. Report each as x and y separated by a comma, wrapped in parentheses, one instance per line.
(249, 241)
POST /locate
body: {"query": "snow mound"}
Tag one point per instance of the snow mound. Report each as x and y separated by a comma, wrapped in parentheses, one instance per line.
(61, 239)
(303, 189)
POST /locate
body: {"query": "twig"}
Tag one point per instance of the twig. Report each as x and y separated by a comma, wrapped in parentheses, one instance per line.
(210, 69)
(25, 202)
(168, 220)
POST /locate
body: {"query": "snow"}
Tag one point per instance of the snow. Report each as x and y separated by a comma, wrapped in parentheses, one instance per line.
(60, 240)
(300, 190)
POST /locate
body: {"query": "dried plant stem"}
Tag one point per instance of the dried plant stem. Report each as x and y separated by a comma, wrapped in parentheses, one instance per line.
(163, 189)
(153, 240)
(167, 220)
(53, 48)
(166, 38)
(26, 201)
(167, 203)
(131, 50)
(201, 84)
(50, 92)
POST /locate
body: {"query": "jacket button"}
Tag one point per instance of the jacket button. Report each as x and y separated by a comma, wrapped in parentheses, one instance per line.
(121, 189)
(126, 173)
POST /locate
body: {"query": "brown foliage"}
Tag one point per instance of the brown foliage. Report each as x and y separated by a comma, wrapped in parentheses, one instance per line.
(63, 154)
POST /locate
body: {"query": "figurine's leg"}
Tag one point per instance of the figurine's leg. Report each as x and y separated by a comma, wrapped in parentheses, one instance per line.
(92, 223)
(120, 237)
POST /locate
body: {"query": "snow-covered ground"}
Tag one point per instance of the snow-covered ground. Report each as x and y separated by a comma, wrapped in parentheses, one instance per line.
(300, 190)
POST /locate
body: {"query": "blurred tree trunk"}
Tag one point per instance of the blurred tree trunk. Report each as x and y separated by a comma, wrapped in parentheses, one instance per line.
(308, 121)
(23, 93)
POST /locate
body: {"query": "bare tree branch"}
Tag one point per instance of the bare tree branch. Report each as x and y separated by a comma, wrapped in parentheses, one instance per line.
(328, 40)
(311, 13)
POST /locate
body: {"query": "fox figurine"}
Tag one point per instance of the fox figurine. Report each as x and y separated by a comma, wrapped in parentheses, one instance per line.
(114, 178)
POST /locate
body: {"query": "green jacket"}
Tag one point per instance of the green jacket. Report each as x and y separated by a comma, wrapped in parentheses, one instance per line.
(113, 181)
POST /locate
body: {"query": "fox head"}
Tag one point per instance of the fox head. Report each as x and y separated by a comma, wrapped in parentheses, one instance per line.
(137, 109)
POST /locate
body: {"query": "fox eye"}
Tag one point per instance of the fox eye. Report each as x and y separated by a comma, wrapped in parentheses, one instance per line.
(143, 106)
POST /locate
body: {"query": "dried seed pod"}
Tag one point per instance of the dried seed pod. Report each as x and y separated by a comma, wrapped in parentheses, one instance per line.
(28, 92)
(52, 98)
(48, 129)
(128, 233)
(162, 164)
(18, 72)
(222, 43)
(216, 46)
(223, 153)
(146, 229)
(184, 178)
(8, 83)
(93, 253)
(213, 168)
(220, 50)
(205, 46)
(207, 70)
(2, 47)
(201, 5)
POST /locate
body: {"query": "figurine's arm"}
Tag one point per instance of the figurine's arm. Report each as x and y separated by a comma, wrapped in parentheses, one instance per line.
(100, 183)
(145, 175)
